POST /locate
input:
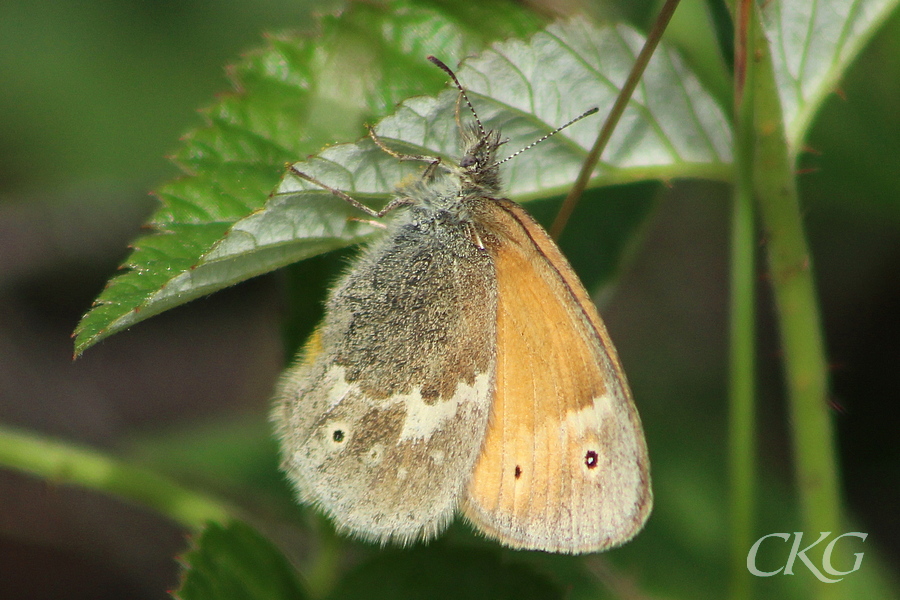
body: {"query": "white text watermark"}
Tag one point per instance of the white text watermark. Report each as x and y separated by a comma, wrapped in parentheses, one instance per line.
(796, 552)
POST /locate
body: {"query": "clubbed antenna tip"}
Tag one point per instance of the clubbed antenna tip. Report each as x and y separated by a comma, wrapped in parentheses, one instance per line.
(440, 64)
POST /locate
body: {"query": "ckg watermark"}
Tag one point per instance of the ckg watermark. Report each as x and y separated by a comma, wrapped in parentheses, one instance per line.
(797, 553)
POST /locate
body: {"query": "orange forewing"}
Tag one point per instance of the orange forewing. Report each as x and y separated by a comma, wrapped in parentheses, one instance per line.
(564, 464)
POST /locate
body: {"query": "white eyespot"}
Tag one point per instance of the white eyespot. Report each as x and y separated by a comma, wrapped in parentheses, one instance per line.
(375, 454)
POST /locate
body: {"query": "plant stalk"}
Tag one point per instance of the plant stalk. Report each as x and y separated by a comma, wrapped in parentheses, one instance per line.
(791, 278)
(612, 119)
(742, 363)
(59, 462)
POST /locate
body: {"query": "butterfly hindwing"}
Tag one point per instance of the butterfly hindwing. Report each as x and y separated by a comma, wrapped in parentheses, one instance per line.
(382, 421)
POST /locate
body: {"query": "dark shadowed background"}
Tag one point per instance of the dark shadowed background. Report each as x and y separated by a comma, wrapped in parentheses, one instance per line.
(93, 95)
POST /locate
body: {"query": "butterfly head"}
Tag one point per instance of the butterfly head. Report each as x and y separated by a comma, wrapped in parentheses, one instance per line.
(478, 170)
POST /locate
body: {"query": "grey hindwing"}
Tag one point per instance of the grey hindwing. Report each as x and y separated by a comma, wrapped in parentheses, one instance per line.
(383, 427)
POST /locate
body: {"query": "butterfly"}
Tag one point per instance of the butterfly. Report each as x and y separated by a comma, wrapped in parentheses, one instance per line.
(462, 367)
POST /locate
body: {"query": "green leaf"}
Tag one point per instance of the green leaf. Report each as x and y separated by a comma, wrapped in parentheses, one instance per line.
(290, 99)
(437, 572)
(527, 89)
(234, 562)
(812, 45)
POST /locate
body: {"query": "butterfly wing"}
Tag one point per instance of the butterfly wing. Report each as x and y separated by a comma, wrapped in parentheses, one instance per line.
(564, 464)
(382, 420)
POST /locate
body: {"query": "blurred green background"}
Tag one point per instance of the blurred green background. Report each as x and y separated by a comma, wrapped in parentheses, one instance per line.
(93, 95)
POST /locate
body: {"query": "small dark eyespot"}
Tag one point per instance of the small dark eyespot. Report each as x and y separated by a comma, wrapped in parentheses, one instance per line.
(337, 435)
(518, 471)
(591, 459)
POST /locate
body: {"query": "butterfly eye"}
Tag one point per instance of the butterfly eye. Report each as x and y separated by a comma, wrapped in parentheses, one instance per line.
(467, 161)
(591, 459)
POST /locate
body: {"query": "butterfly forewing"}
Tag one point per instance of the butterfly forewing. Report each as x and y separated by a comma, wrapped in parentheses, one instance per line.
(564, 464)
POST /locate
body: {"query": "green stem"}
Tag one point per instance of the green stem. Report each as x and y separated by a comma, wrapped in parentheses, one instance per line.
(790, 269)
(58, 462)
(612, 119)
(742, 391)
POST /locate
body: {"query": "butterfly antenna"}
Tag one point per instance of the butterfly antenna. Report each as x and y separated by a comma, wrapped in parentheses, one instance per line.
(587, 113)
(462, 91)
